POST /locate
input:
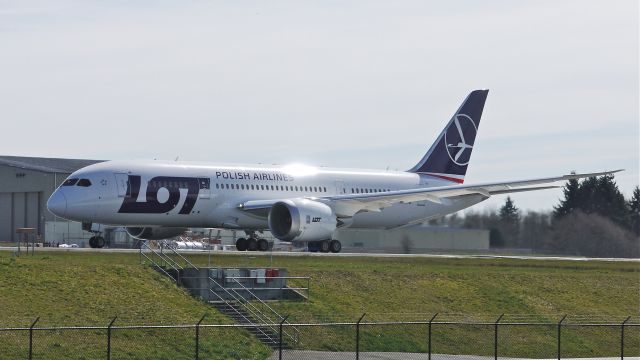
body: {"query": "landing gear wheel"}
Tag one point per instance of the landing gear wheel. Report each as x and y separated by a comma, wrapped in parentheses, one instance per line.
(99, 242)
(263, 245)
(92, 242)
(241, 244)
(324, 246)
(252, 244)
(335, 246)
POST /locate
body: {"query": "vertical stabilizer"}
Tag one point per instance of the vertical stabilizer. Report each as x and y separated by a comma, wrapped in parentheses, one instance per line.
(449, 156)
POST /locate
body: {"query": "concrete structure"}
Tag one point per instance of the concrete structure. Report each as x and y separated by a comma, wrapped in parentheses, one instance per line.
(232, 283)
(25, 185)
(413, 240)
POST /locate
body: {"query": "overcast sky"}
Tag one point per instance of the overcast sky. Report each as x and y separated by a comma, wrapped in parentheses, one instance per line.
(366, 84)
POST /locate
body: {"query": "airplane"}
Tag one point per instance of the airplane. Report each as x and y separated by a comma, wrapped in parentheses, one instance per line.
(296, 203)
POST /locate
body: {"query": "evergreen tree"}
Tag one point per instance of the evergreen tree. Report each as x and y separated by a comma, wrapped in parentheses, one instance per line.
(510, 222)
(570, 201)
(634, 211)
(594, 196)
(509, 212)
(610, 202)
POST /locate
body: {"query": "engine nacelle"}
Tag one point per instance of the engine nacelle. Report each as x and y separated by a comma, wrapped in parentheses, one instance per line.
(154, 233)
(301, 220)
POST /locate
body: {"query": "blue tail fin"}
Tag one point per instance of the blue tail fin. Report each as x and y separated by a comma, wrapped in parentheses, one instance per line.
(449, 156)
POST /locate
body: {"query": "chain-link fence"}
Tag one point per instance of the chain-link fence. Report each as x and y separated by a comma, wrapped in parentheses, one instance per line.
(432, 337)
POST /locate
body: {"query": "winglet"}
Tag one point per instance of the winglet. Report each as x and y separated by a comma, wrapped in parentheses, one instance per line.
(579, 176)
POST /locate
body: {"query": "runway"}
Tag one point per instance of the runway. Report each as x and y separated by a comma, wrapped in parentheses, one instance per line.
(311, 254)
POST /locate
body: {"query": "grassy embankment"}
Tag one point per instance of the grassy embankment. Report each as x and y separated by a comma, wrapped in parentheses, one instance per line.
(90, 288)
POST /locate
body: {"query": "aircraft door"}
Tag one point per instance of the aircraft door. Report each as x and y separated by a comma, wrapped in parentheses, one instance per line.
(122, 182)
(205, 187)
(340, 189)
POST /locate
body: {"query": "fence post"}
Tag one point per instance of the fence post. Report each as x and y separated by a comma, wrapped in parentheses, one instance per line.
(622, 337)
(198, 337)
(280, 337)
(31, 336)
(358, 336)
(559, 327)
(109, 337)
(495, 338)
(431, 321)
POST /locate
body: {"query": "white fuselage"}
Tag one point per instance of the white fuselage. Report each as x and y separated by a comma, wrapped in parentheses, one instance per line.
(206, 195)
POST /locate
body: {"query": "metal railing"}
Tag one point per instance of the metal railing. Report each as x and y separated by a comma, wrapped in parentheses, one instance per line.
(163, 262)
(297, 289)
(244, 306)
(256, 315)
(163, 246)
(266, 310)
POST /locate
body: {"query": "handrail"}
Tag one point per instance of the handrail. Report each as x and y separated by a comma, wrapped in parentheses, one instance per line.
(159, 267)
(307, 289)
(260, 316)
(164, 242)
(264, 304)
(233, 307)
(251, 323)
(167, 259)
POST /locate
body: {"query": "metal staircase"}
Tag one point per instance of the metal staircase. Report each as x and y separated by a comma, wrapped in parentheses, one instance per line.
(262, 320)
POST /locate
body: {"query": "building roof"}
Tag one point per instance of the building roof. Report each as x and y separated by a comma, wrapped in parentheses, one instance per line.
(48, 165)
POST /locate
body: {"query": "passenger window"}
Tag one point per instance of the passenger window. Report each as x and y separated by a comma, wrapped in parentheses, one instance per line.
(69, 182)
(84, 182)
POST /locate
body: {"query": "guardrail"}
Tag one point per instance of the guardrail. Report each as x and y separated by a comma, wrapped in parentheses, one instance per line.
(297, 289)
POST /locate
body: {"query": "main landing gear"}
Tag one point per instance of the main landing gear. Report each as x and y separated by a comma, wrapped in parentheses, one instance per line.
(325, 246)
(253, 243)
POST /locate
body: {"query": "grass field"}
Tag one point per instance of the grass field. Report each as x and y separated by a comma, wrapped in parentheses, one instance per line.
(73, 288)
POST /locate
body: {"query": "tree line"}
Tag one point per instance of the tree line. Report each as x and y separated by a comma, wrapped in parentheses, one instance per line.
(592, 219)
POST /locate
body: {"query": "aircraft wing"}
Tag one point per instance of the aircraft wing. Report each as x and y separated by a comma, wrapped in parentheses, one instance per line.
(350, 204)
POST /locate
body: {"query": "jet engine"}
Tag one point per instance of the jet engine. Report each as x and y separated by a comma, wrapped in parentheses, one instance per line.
(154, 233)
(301, 220)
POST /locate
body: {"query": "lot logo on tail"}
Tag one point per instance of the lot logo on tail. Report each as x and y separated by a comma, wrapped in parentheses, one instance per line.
(459, 139)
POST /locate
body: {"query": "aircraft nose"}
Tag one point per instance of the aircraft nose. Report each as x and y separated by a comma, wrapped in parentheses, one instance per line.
(57, 203)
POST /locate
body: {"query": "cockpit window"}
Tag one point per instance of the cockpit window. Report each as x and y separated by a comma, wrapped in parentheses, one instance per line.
(84, 182)
(69, 182)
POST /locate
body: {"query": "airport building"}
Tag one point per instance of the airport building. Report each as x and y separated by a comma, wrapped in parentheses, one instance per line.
(26, 184)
